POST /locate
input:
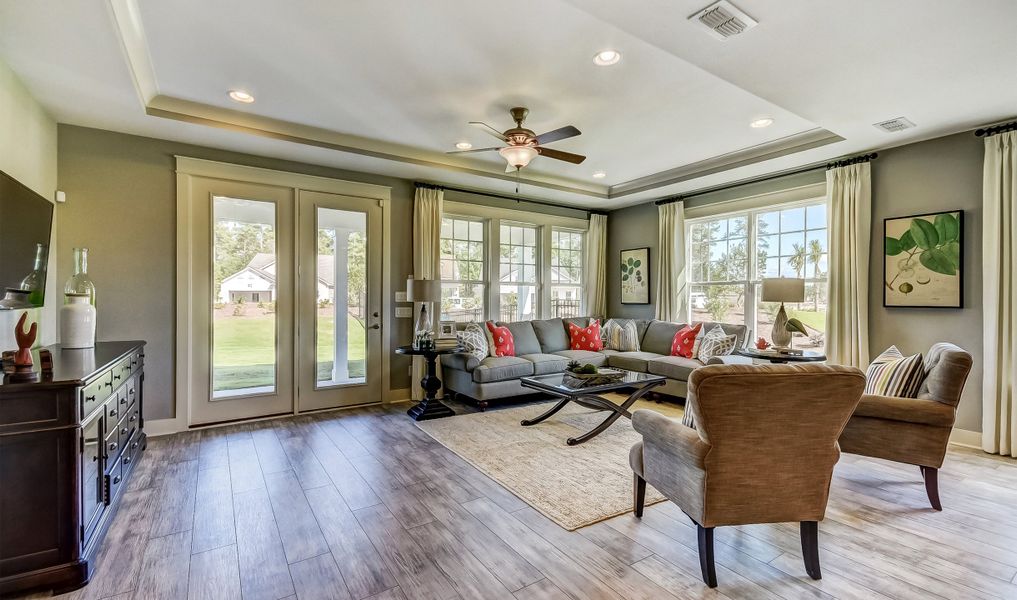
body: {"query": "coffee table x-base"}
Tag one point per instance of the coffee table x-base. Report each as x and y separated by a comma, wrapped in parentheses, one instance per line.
(571, 389)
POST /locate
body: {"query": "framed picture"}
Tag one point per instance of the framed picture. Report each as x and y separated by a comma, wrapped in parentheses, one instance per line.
(635, 276)
(447, 330)
(923, 260)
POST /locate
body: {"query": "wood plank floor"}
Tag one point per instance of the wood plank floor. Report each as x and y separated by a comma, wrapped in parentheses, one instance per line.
(361, 504)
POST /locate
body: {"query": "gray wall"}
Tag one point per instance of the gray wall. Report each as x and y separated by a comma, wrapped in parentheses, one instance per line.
(121, 205)
(933, 176)
(633, 227)
(936, 175)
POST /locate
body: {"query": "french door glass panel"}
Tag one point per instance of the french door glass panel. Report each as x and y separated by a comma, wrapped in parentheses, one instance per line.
(244, 265)
(341, 286)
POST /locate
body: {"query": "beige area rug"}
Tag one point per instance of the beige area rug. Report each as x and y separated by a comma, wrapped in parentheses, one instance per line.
(574, 486)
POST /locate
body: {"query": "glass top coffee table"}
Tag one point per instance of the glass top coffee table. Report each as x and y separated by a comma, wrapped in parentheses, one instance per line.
(572, 389)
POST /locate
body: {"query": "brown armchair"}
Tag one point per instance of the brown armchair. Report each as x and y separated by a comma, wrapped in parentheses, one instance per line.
(915, 431)
(763, 449)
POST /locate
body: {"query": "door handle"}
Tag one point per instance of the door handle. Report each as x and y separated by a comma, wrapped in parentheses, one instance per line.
(375, 326)
(375, 314)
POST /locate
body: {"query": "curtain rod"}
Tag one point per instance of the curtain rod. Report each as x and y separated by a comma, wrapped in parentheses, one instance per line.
(996, 129)
(432, 186)
(807, 169)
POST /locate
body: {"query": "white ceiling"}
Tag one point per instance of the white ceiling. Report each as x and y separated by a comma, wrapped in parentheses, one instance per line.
(394, 82)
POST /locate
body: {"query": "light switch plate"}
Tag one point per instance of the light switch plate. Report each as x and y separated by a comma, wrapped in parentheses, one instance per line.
(404, 312)
(401, 297)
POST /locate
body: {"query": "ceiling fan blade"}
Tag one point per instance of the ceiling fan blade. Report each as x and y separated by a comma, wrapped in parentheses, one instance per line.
(562, 133)
(559, 155)
(474, 150)
(490, 130)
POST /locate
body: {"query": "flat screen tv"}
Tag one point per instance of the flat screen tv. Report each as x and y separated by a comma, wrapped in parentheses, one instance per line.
(26, 219)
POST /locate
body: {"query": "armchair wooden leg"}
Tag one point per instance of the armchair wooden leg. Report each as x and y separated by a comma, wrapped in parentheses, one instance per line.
(706, 563)
(638, 494)
(810, 548)
(931, 477)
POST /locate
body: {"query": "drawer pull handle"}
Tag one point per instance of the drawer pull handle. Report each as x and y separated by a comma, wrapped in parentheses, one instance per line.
(123, 401)
(89, 398)
(132, 417)
(95, 458)
(134, 446)
(116, 480)
(112, 446)
(116, 377)
(131, 391)
(123, 431)
(127, 460)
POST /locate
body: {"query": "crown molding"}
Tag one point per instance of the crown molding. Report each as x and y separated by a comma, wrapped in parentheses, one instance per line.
(127, 22)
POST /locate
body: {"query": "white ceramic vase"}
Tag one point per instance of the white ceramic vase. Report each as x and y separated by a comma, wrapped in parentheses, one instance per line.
(77, 322)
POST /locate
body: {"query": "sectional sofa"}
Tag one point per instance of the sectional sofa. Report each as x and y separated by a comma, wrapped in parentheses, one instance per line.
(542, 347)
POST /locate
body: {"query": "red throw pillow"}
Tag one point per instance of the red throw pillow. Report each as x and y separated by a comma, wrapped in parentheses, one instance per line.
(684, 340)
(504, 345)
(586, 338)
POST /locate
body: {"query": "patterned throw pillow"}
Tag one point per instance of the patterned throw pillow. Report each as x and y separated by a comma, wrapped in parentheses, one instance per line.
(474, 340)
(501, 342)
(716, 343)
(586, 338)
(893, 374)
(622, 336)
(684, 340)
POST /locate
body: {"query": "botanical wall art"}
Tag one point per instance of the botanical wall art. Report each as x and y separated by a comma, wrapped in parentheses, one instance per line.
(635, 276)
(922, 260)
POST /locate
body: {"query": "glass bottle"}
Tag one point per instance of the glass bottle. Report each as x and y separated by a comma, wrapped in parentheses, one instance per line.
(79, 283)
(35, 282)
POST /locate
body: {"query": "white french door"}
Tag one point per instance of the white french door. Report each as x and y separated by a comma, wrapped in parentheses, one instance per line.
(339, 314)
(281, 300)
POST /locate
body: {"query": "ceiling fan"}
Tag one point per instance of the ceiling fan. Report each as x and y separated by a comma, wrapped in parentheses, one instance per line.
(524, 145)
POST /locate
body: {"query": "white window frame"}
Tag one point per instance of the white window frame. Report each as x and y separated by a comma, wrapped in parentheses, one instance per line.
(493, 217)
(485, 271)
(752, 283)
(582, 268)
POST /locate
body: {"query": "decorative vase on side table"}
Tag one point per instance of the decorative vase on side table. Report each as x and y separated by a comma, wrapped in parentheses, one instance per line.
(782, 289)
(77, 316)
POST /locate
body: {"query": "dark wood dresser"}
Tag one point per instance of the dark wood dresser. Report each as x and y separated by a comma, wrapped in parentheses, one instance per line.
(67, 447)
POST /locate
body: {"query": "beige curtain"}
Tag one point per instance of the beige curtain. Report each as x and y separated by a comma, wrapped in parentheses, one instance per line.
(999, 294)
(849, 206)
(670, 272)
(426, 261)
(596, 267)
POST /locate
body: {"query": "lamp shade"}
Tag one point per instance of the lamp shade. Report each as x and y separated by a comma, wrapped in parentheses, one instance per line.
(518, 156)
(423, 290)
(783, 289)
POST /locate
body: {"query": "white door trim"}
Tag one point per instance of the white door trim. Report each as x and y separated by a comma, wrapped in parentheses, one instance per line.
(187, 169)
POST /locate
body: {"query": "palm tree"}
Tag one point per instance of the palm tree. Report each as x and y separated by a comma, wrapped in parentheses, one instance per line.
(815, 255)
(797, 259)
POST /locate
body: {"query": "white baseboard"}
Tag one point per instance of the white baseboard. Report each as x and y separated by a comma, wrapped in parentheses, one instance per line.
(966, 438)
(158, 427)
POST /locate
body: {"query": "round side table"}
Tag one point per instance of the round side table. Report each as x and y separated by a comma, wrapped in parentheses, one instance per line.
(430, 407)
(776, 357)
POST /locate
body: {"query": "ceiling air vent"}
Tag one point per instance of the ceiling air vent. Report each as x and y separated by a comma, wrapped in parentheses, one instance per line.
(723, 20)
(894, 125)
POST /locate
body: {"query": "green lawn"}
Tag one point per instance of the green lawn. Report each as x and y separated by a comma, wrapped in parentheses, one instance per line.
(244, 353)
(813, 319)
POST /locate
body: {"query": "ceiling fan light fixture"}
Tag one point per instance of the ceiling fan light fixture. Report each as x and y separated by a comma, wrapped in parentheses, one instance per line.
(464, 145)
(606, 58)
(761, 122)
(599, 175)
(241, 96)
(518, 156)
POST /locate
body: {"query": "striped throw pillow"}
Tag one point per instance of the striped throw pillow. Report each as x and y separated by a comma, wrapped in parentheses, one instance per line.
(893, 374)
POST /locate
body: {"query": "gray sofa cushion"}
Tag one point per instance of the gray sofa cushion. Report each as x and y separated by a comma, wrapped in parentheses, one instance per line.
(583, 357)
(500, 368)
(673, 367)
(658, 337)
(633, 361)
(462, 362)
(523, 337)
(546, 363)
(551, 335)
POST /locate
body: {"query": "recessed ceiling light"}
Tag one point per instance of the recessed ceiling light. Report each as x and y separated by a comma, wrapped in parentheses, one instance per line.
(761, 122)
(464, 145)
(241, 96)
(606, 57)
(599, 175)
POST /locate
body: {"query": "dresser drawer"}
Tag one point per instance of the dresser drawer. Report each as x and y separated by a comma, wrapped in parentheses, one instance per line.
(131, 398)
(121, 372)
(131, 452)
(111, 411)
(111, 445)
(95, 393)
(114, 479)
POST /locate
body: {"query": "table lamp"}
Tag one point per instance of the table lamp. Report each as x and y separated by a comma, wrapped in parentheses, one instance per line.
(782, 289)
(425, 292)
